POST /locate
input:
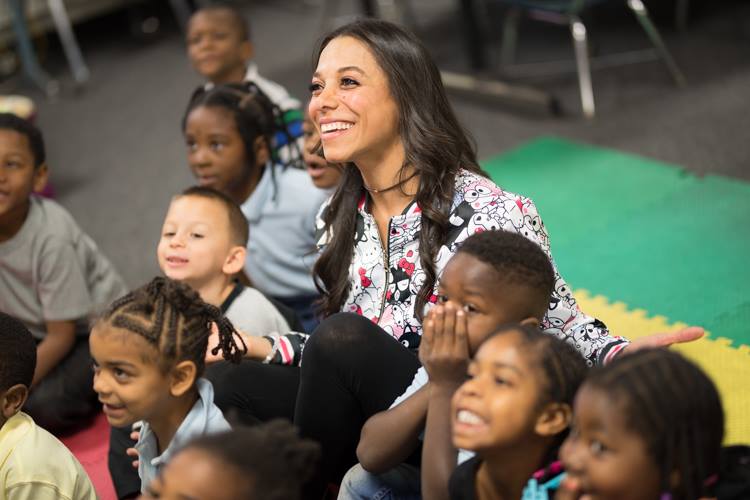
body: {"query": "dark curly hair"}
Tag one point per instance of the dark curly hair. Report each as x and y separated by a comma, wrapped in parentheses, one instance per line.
(17, 353)
(270, 460)
(518, 261)
(675, 408)
(173, 318)
(9, 121)
(435, 144)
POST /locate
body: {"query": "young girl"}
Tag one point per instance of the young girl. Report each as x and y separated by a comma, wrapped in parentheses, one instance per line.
(229, 131)
(514, 412)
(648, 426)
(265, 462)
(148, 350)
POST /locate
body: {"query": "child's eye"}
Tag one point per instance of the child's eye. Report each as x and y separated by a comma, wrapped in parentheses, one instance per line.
(501, 381)
(217, 146)
(197, 235)
(168, 234)
(95, 368)
(120, 374)
(470, 308)
(597, 447)
(12, 164)
(191, 145)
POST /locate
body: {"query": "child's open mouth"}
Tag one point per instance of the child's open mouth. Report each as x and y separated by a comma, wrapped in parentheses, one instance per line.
(176, 261)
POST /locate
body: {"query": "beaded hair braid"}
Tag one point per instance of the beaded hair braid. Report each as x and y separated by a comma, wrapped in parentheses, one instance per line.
(675, 408)
(172, 317)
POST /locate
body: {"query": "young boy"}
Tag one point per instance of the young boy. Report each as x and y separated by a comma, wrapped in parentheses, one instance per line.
(33, 463)
(220, 50)
(52, 277)
(495, 277)
(203, 244)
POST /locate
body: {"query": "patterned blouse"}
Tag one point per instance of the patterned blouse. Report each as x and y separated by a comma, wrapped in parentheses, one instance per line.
(385, 279)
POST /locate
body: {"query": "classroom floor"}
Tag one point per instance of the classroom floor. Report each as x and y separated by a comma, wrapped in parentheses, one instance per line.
(681, 158)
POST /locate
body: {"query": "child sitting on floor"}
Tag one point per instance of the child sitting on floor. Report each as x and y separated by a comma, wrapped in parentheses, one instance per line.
(203, 244)
(33, 463)
(228, 134)
(149, 352)
(52, 277)
(513, 412)
(265, 462)
(647, 426)
(220, 50)
(495, 277)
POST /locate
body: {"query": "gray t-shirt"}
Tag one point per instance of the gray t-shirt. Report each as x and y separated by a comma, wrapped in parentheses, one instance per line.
(253, 314)
(52, 271)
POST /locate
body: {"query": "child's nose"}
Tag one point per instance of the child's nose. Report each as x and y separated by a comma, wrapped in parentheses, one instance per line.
(100, 386)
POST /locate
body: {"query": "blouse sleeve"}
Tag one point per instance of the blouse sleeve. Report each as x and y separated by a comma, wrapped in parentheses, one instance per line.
(288, 348)
(588, 335)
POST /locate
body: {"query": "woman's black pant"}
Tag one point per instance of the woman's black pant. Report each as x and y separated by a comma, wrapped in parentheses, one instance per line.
(351, 369)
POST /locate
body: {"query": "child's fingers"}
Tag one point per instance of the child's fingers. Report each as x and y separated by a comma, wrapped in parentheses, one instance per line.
(131, 452)
(449, 326)
(134, 435)
(461, 337)
(438, 326)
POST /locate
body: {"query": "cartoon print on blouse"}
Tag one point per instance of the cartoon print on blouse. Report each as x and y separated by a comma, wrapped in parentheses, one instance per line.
(387, 292)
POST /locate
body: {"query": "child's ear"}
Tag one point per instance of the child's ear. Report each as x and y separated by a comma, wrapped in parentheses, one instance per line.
(530, 321)
(235, 260)
(41, 174)
(554, 419)
(182, 377)
(13, 400)
(260, 149)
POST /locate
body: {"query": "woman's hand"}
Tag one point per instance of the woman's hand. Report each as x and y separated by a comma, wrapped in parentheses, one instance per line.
(444, 348)
(687, 334)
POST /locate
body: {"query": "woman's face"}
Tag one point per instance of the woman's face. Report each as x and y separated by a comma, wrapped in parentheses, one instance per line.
(352, 106)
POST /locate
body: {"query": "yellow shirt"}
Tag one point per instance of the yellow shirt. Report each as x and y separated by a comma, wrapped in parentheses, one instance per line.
(34, 465)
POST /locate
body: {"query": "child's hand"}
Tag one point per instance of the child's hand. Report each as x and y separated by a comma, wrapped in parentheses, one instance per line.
(444, 349)
(132, 452)
(570, 489)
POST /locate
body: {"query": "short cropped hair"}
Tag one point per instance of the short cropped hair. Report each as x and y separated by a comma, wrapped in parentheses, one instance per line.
(238, 20)
(17, 353)
(238, 225)
(9, 121)
(517, 261)
(271, 458)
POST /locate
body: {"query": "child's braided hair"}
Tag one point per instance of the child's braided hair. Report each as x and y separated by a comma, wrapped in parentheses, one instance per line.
(176, 321)
(675, 408)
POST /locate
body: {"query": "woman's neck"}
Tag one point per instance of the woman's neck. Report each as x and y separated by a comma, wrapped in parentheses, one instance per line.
(165, 426)
(503, 475)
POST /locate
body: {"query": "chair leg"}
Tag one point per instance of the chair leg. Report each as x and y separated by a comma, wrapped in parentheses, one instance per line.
(70, 45)
(31, 67)
(580, 44)
(640, 11)
(509, 42)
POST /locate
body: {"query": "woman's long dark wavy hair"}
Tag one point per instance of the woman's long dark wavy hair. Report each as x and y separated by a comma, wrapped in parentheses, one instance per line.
(436, 146)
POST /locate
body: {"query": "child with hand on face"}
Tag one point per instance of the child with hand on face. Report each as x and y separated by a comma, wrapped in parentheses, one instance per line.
(495, 277)
(228, 131)
(149, 352)
(265, 462)
(34, 465)
(52, 278)
(647, 426)
(220, 50)
(513, 412)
